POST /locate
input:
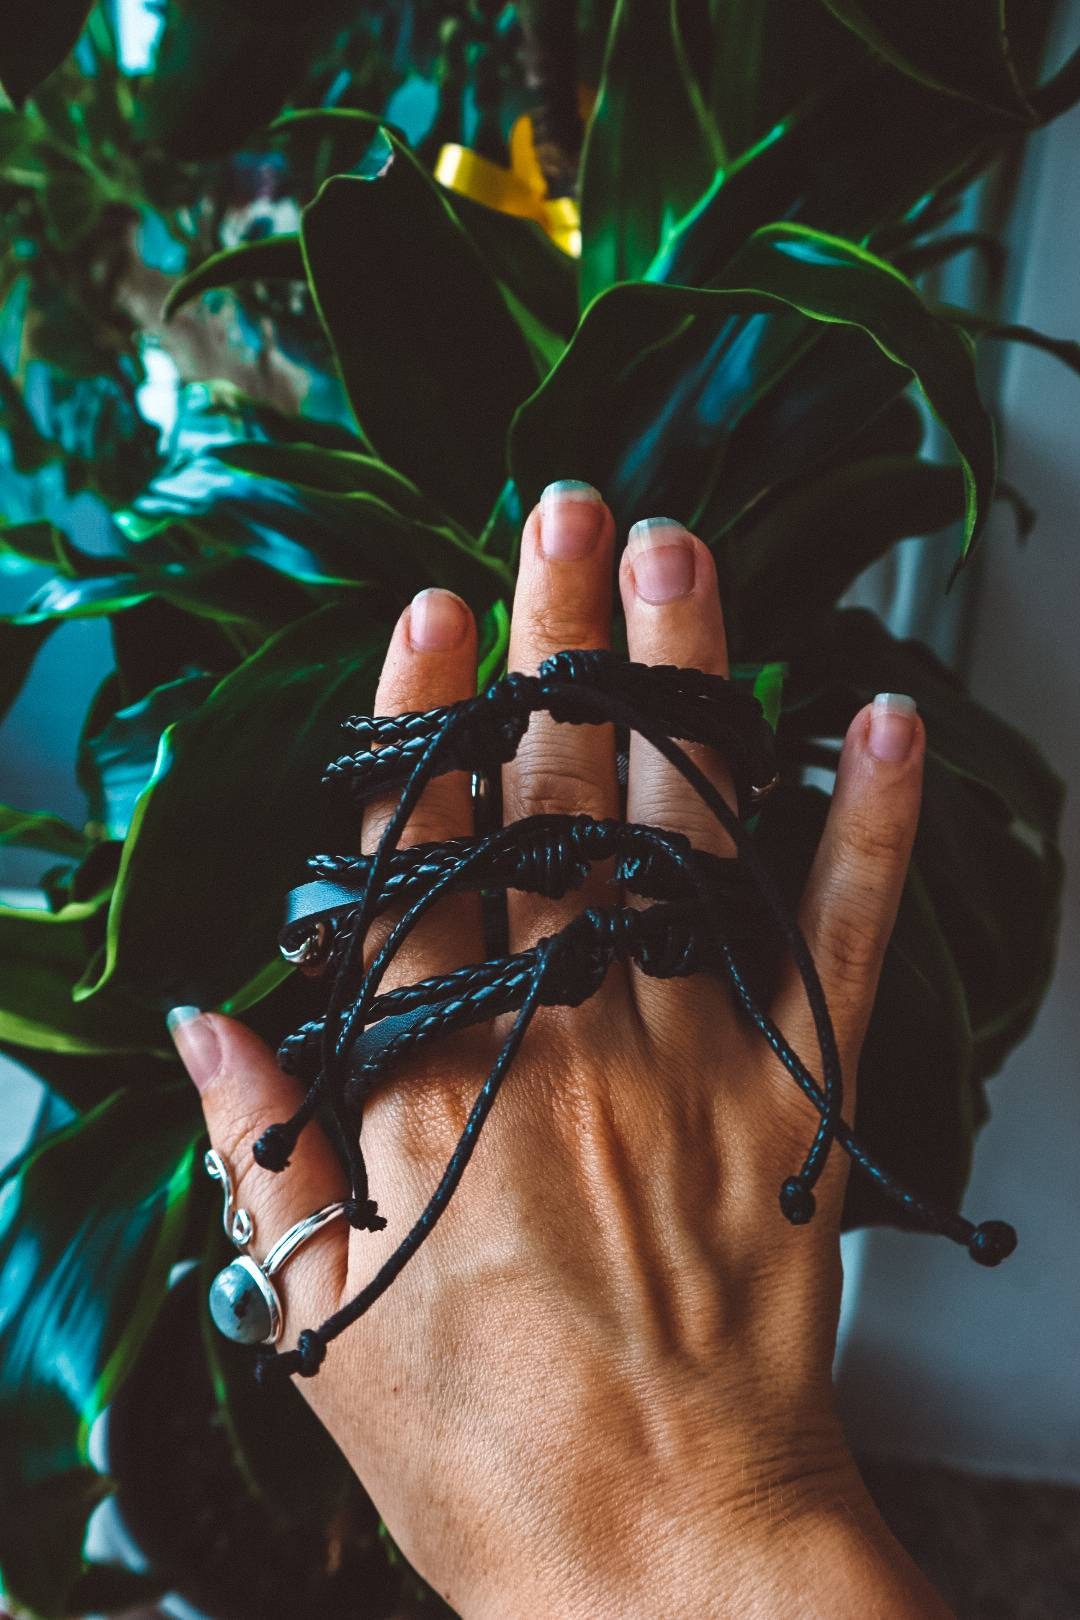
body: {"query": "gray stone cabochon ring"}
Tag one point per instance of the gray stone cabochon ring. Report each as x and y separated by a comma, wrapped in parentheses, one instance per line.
(244, 1304)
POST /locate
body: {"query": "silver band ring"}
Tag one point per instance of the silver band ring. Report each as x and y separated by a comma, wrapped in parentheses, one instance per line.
(244, 1304)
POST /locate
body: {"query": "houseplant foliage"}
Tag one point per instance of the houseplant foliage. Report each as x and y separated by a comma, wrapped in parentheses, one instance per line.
(744, 345)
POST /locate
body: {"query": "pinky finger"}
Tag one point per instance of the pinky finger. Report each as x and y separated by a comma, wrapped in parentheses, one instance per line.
(851, 898)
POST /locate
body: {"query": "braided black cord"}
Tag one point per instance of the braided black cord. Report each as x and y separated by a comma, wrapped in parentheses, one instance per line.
(549, 855)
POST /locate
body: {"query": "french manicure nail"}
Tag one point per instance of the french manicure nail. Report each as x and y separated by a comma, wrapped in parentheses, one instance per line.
(196, 1041)
(662, 558)
(437, 620)
(570, 519)
(892, 726)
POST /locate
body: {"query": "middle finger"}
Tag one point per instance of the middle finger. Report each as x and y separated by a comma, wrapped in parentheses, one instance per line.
(563, 599)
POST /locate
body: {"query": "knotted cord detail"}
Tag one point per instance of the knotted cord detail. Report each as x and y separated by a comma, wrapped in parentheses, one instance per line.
(707, 910)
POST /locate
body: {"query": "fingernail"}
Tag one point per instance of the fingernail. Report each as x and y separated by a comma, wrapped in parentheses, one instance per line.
(892, 726)
(437, 620)
(571, 516)
(195, 1038)
(662, 554)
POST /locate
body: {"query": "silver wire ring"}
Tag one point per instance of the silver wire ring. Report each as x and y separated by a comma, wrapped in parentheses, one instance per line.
(244, 1304)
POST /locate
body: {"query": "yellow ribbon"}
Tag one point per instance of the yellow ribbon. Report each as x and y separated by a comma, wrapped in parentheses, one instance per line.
(521, 189)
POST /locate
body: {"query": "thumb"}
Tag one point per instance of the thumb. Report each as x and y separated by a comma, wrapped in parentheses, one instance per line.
(243, 1091)
(850, 901)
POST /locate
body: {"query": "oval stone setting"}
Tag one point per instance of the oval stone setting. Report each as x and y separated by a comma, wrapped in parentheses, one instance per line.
(239, 1306)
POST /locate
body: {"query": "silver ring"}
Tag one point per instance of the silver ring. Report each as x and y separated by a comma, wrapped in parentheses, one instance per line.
(244, 1304)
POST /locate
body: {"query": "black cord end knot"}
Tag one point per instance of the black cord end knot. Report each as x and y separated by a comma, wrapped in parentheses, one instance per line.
(797, 1201)
(271, 1151)
(363, 1214)
(992, 1242)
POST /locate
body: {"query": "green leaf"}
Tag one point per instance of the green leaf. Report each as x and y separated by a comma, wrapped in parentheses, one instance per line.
(531, 270)
(117, 762)
(222, 73)
(241, 589)
(997, 897)
(272, 258)
(35, 829)
(32, 46)
(657, 378)
(47, 546)
(19, 646)
(866, 149)
(260, 743)
(961, 49)
(90, 1226)
(321, 517)
(854, 656)
(433, 362)
(1067, 350)
(30, 449)
(43, 955)
(648, 155)
(784, 569)
(85, 1079)
(328, 123)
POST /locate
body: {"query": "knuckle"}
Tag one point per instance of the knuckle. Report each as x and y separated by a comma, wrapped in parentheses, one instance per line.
(555, 624)
(849, 944)
(555, 791)
(874, 838)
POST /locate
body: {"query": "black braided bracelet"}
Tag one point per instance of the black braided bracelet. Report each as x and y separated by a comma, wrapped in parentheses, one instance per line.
(707, 910)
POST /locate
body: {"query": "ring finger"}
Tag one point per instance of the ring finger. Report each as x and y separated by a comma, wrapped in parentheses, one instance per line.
(673, 616)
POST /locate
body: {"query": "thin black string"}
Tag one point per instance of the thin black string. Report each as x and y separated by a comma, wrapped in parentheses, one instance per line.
(575, 688)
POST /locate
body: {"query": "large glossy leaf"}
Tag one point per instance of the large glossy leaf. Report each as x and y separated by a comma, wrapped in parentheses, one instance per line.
(783, 572)
(238, 783)
(35, 829)
(117, 761)
(319, 516)
(997, 895)
(82, 1080)
(271, 258)
(222, 72)
(962, 49)
(1067, 350)
(869, 147)
(648, 155)
(831, 397)
(230, 588)
(854, 656)
(33, 43)
(90, 1226)
(43, 955)
(529, 267)
(657, 378)
(433, 362)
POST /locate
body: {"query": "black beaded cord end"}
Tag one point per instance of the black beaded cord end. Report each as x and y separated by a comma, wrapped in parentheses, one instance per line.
(797, 1201)
(274, 1146)
(992, 1242)
(703, 912)
(363, 1215)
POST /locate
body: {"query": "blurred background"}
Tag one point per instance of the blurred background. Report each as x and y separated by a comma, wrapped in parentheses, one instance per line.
(960, 1387)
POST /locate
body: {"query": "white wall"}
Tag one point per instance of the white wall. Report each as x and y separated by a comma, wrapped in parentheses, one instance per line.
(944, 1360)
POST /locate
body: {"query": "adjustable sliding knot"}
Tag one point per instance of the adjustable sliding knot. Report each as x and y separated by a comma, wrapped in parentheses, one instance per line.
(704, 910)
(363, 1215)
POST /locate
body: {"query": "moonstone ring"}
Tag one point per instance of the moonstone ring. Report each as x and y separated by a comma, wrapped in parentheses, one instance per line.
(244, 1304)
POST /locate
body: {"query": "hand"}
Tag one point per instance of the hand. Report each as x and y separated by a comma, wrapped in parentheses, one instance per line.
(603, 1385)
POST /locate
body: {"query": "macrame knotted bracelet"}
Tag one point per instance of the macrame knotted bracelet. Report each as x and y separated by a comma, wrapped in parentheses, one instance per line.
(706, 910)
